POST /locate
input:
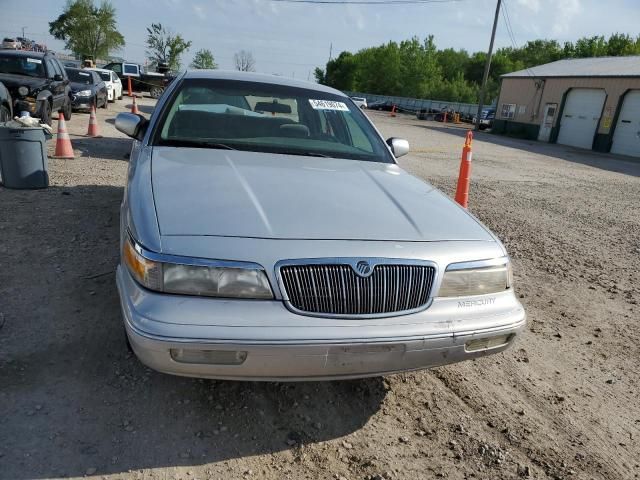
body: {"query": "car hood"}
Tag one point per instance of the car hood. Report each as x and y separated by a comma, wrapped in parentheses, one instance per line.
(245, 194)
(12, 82)
(78, 87)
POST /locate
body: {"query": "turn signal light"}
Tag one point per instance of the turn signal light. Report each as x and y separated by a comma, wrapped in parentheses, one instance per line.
(208, 357)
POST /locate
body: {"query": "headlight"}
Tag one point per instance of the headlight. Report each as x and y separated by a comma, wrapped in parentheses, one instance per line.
(84, 93)
(196, 277)
(23, 91)
(476, 278)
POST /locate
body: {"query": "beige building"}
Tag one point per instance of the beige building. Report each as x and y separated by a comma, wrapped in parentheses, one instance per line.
(591, 103)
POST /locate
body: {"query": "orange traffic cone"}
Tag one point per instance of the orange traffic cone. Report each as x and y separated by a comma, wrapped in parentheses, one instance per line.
(464, 178)
(134, 107)
(64, 149)
(93, 130)
(393, 111)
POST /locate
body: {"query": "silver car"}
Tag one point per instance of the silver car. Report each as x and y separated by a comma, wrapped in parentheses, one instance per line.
(267, 233)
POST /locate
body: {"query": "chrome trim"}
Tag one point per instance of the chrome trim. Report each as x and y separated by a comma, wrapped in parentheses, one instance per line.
(491, 262)
(193, 261)
(352, 262)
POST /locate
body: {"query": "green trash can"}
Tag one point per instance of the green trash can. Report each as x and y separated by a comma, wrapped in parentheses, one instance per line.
(23, 158)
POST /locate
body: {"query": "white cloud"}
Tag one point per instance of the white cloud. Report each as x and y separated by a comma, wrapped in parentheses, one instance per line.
(533, 5)
(356, 17)
(567, 10)
(199, 11)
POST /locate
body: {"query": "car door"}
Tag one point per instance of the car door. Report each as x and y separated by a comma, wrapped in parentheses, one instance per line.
(66, 88)
(57, 85)
(101, 89)
(117, 85)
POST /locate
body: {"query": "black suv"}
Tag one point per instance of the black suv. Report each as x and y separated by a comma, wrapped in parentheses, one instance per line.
(37, 82)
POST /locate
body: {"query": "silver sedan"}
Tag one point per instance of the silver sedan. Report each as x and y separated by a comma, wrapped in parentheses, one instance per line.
(268, 233)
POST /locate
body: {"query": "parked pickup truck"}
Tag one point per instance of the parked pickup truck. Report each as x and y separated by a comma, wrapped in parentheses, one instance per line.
(141, 80)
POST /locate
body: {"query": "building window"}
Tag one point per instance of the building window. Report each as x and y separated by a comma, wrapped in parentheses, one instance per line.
(508, 110)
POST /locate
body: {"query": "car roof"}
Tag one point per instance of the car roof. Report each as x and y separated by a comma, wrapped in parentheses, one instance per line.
(260, 78)
(23, 53)
(96, 69)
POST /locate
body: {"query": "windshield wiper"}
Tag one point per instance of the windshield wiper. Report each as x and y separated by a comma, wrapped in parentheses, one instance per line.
(304, 154)
(171, 142)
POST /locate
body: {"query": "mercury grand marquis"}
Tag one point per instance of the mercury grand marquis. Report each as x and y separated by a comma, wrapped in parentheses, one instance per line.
(268, 233)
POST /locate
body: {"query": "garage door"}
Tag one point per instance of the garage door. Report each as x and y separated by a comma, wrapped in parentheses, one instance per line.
(626, 136)
(580, 117)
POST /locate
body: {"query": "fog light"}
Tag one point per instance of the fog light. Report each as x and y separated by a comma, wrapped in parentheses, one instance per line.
(211, 357)
(487, 343)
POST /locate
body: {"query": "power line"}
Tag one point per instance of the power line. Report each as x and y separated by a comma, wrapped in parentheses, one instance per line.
(507, 21)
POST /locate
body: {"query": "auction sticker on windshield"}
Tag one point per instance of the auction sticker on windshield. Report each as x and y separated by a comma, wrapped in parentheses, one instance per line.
(34, 60)
(328, 105)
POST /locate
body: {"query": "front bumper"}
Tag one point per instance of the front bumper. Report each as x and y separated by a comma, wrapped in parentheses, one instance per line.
(82, 102)
(281, 345)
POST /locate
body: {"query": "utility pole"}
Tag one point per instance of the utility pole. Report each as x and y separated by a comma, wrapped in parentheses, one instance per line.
(487, 65)
(23, 32)
(330, 50)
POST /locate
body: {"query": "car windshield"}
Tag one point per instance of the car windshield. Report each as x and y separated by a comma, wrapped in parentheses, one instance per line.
(78, 76)
(262, 117)
(106, 76)
(21, 65)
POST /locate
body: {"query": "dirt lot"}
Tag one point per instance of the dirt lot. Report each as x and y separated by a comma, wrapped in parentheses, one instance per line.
(562, 404)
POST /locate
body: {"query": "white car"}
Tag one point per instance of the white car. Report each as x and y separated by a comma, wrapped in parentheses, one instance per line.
(114, 85)
(360, 102)
(11, 43)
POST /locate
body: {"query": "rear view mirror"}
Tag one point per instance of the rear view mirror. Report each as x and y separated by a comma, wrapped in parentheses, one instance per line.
(131, 125)
(272, 107)
(399, 146)
(58, 78)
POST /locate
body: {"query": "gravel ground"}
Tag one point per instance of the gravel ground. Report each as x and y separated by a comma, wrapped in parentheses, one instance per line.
(561, 404)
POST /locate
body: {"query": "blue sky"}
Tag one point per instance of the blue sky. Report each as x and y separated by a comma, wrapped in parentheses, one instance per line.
(291, 40)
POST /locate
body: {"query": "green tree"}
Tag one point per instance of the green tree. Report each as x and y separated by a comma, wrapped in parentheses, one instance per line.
(452, 62)
(318, 73)
(419, 66)
(203, 59)
(537, 52)
(415, 68)
(591, 47)
(87, 30)
(165, 47)
(620, 44)
(341, 72)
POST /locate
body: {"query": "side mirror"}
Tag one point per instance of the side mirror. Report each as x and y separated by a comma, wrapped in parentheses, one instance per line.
(399, 146)
(58, 78)
(131, 125)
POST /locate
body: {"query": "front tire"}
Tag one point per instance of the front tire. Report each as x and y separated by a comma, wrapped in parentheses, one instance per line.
(5, 114)
(66, 111)
(45, 112)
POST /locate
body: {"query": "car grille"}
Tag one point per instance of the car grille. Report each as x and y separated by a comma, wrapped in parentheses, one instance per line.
(338, 290)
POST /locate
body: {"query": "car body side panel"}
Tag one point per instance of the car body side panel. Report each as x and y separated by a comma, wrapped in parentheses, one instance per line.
(138, 209)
